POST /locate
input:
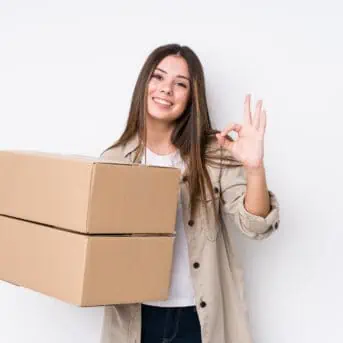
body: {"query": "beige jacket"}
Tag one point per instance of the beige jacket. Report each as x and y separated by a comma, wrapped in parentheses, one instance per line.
(217, 277)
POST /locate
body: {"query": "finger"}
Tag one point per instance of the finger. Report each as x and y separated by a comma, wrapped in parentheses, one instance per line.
(220, 139)
(224, 141)
(232, 127)
(247, 112)
(263, 121)
(256, 120)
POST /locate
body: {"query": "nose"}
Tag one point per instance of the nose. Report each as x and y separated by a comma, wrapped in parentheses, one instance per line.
(166, 89)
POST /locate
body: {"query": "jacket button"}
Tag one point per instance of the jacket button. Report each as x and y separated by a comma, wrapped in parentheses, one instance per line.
(196, 265)
(276, 225)
(185, 179)
(191, 222)
(216, 190)
(203, 304)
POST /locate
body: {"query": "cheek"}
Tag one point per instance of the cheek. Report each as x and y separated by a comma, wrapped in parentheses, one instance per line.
(182, 100)
(151, 87)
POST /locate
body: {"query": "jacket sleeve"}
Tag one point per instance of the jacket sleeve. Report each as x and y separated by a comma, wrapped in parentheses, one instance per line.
(107, 154)
(233, 187)
(112, 155)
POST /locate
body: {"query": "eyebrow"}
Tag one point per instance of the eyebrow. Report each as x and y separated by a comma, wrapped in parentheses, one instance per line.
(183, 77)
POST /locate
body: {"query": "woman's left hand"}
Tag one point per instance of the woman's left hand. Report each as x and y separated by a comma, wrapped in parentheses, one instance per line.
(248, 148)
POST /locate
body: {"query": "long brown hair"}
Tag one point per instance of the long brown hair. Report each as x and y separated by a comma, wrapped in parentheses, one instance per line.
(192, 131)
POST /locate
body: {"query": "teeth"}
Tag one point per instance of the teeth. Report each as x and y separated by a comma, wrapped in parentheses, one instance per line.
(163, 102)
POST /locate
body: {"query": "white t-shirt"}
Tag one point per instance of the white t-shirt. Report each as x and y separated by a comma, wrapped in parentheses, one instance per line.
(181, 292)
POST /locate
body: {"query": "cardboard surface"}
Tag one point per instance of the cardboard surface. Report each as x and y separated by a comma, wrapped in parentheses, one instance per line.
(88, 195)
(82, 269)
(87, 231)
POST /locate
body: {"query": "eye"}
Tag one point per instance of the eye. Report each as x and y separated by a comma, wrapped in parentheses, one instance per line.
(157, 76)
(182, 84)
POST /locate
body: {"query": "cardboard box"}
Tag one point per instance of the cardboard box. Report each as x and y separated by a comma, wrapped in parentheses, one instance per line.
(87, 231)
(82, 269)
(88, 195)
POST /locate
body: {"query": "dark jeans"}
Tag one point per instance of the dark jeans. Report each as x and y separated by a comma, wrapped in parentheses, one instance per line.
(170, 324)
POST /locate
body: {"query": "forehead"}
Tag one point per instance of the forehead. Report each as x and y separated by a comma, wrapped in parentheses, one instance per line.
(176, 65)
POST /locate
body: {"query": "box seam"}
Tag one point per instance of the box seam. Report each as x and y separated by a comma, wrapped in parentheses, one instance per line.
(84, 281)
(90, 194)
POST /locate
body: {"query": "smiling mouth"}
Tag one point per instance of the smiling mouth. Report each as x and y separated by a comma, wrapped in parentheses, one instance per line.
(162, 102)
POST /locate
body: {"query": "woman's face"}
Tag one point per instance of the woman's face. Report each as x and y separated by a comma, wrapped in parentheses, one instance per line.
(169, 89)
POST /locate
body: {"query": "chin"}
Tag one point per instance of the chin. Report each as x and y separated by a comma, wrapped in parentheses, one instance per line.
(161, 116)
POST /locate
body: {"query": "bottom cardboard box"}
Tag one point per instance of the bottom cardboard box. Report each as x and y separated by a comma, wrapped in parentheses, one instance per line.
(85, 270)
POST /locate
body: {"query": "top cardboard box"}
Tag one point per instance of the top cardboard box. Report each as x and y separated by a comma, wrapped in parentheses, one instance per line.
(88, 195)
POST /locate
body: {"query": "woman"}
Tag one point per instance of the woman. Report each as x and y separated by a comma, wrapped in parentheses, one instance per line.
(223, 185)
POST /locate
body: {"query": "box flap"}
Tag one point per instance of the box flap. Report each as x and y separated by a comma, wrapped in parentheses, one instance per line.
(104, 161)
(128, 199)
(48, 261)
(118, 265)
(45, 188)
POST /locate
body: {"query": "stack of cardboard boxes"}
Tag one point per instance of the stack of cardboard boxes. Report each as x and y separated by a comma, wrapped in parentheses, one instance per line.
(86, 231)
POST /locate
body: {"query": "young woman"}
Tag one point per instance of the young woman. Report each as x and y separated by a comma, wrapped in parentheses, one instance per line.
(223, 185)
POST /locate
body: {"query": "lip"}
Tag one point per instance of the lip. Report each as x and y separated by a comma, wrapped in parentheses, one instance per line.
(156, 97)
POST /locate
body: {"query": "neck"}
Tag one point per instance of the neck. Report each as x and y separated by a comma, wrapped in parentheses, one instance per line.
(159, 137)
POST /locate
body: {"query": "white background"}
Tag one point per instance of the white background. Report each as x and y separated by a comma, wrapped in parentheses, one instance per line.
(67, 71)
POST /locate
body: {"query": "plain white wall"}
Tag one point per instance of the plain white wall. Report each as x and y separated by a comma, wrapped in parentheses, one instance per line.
(67, 71)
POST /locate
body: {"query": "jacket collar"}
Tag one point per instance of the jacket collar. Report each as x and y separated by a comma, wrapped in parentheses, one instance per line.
(131, 145)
